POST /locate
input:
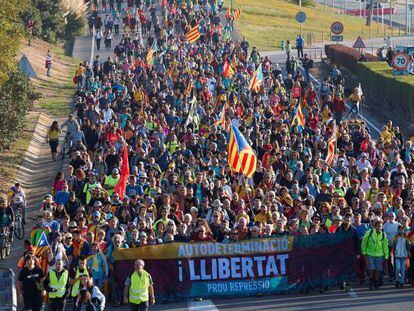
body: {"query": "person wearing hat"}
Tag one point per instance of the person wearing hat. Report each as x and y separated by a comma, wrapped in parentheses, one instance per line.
(111, 181)
(353, 191)
(57, 284)
(139, 290)
(90, 185)
(133, 188)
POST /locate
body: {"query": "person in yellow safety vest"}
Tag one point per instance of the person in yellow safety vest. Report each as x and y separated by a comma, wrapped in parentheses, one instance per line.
(76, 275)
(56, 284)
(139, 290)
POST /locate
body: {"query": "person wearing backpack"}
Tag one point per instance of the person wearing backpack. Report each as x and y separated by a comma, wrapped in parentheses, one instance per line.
(375, 249)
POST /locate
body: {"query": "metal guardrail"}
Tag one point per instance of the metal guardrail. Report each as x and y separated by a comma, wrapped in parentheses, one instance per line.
(8, 292)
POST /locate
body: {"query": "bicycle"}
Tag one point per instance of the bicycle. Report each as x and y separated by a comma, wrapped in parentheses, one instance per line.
(5, 244)
(18, 223)
(64, 146)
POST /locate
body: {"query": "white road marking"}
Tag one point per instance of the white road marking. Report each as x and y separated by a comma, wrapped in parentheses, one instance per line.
(316, 81)
(92, 46)
(352, 293)
(203, 305)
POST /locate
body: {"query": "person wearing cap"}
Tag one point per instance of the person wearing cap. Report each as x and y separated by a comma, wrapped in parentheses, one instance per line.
(111, 181)
(89, 186)
(133, 188)
(78, 249)
(139, 290)
(97, 265)
(57, 285)
(375, 249)
(338, 187)
(352, 192)
(363, 162)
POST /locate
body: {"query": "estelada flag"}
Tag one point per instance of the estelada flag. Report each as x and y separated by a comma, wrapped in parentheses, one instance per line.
(122, 182)
(193, 34)
(227, 70)
(241, 157)
(257, 79)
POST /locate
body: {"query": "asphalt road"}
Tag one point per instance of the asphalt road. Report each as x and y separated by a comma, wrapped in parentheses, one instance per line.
(386, 298)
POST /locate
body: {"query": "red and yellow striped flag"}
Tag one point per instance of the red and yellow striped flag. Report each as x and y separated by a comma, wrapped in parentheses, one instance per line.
(237, 14)
(222, 119)
(330, 155)
(193, 34)
(150, 57)
(299, 116)
(241, 157)
(227, 70)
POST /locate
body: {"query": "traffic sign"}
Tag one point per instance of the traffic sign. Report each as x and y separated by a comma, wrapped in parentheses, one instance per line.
(400, 61)
(337, 38)
(337, 28)
(359, 44)
(301, 17)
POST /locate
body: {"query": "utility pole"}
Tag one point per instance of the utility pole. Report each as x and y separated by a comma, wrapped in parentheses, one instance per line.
(407, 17)
(371, 10)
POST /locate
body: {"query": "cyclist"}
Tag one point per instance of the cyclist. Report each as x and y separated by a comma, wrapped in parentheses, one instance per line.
(6, 217)
(17, 199)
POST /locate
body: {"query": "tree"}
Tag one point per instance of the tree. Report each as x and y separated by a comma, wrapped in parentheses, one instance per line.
(12, 31)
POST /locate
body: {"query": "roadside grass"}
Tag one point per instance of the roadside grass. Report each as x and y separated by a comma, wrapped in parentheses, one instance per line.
(59, 91)
(265, 23)
(57, 95)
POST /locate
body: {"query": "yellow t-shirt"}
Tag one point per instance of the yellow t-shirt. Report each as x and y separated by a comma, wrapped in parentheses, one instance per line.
(53, 134)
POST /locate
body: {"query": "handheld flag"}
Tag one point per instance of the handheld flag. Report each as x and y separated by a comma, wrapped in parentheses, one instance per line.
(41, 244)
(257, 79)
(122, 182)
(227, 70)
(330, 155)
(150, 57)
(241, 157)
(193, 34)
(222, 119)
(237, 14)
(299, 116)
(192, 116)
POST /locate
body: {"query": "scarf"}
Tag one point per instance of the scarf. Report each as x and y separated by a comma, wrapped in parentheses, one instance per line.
(77, 248)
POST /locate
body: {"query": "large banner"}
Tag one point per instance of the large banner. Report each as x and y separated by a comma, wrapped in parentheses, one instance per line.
(267, 265)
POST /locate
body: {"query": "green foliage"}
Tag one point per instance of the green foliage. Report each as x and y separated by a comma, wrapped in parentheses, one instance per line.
(11, 32)
(74, 26)
(53, 20)
(305, 3)
(33, 14)
(52, 23)
(16, 98)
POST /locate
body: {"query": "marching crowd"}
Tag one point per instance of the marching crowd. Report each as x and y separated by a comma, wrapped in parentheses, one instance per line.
(158, 113)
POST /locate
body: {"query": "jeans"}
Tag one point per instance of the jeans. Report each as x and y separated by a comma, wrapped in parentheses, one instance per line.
(400, 267)
(49, 67)
(300, 51)
(375, 263)
(355, 106)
